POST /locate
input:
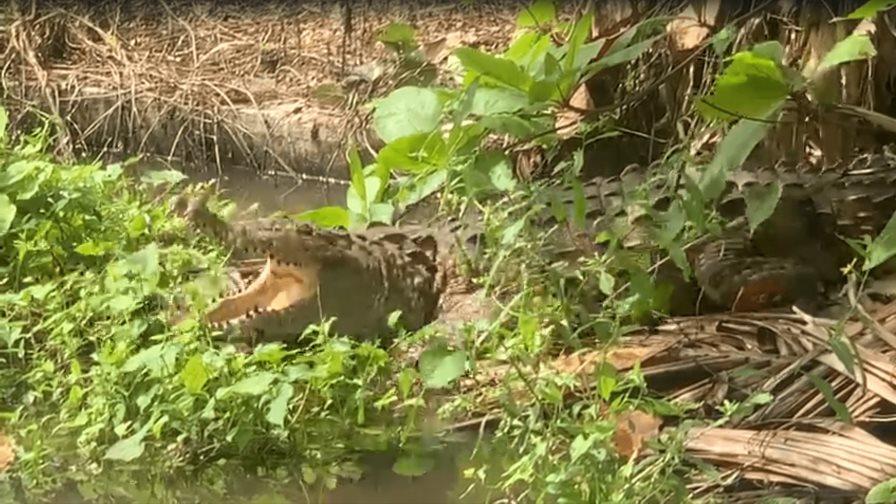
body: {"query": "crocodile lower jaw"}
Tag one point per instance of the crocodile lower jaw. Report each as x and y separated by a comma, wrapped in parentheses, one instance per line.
(279, 287)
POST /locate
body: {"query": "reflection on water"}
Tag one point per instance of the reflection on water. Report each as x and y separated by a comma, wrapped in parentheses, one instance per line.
(268, 194)
(444, 483)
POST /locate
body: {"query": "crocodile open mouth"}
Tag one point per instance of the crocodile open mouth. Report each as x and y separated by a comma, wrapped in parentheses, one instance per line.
(278, 287)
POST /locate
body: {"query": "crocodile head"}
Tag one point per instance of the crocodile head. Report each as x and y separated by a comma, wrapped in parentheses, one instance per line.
(312, 274)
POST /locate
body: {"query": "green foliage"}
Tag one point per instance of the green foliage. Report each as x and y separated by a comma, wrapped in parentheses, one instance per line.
(95, 370)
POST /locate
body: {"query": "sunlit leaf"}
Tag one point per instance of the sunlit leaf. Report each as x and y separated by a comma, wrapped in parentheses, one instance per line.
(7, 214)
(325, 217)
(853, 48)
(194, 375)
(279, 406)
(538, 13)
(871, 8)
(883, 247)
(440, 366)
(407, 111)
(256, 384)
(499, 69)
(127, 449)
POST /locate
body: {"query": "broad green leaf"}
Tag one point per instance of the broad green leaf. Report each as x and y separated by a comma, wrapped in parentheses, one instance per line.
(127, 449)
(772, 50)
(414, 154)
(92, 248)
(722, 40)
(398, 33)
(7, 214)
(882, 493)
(852, 48)
(750, 87)
(279, 406)
(607, 283)
(145, 262)
(413, 465)
(732, 151)
(581, 445)
(871, 8)
(325, 217)
(491, 171)
(149, 357)
(544, 90)
(500, 69)
(407, 111)
(194, 375)
(381, 212)
(761, 203)
(440, 367)
(254, 385)
(412, 193)
(16, 171)
(490, 101)
(538, 13)
(883, 247)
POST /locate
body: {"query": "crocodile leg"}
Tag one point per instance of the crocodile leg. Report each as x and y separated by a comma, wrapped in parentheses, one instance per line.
(735, 277)
(313, 274)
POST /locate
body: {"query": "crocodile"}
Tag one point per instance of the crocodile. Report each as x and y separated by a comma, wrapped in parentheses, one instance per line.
(311, 274)
(361, 278)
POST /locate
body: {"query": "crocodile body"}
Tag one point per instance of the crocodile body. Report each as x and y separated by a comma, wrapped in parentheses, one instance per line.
(361, 278)
(312, 274)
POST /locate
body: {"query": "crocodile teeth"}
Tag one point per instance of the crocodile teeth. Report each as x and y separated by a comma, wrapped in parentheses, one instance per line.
(278, 287)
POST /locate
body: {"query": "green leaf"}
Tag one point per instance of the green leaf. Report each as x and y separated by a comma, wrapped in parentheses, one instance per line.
(440, 367)
(127, 449)
(732, 151)
(750, 87)
(544, 90)
(413, 465)
(607, 282)
(884, 492)
(853, 48)
(490, 101)
(279, 406)
(499, 69)
(871, 8)
(325, 217)
(93, 248)
(538, 13)
(761, 202)
(407, 111)
(357, 173)
(254, 385)
(840, 409)
(194, 375)
(7, 214)
(414, 154)
(619, 57)
(883, 247)
(398, 33)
